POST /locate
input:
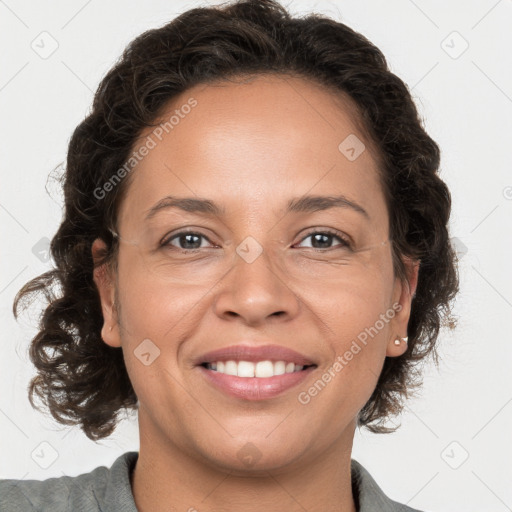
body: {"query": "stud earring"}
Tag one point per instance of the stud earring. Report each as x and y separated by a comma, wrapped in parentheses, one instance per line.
(399, 340)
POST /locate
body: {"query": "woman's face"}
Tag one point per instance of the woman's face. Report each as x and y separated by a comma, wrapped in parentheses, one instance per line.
(255, 273)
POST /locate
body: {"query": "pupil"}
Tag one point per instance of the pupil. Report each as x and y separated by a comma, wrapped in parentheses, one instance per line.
(183, 238)
(326, 238)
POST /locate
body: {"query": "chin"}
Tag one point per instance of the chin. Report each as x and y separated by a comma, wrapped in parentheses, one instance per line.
(253, 457)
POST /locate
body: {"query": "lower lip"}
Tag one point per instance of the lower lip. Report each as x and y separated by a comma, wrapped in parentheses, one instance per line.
(255, 388)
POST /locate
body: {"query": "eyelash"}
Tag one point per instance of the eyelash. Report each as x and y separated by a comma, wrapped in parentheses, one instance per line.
(345, 241)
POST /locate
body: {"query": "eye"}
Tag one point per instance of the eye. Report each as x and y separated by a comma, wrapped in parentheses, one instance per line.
(186, 240)
(192, 240)
(323, 239)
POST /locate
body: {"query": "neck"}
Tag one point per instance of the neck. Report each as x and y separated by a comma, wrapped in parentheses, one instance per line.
(167, 478)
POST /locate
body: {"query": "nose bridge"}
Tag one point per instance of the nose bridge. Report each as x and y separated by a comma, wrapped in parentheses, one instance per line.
(255, 289)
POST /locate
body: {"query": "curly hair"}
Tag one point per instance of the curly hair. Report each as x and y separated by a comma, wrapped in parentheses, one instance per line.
(82, 380)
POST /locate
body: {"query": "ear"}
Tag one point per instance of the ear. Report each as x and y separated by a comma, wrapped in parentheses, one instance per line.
(403, 295)
(105, 283)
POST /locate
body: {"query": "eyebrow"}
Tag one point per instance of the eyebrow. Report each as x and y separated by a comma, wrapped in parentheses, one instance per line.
(318, 203)
(187, 204)
(305, 204)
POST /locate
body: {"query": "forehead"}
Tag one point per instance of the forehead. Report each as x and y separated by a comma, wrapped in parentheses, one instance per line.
(252, 145)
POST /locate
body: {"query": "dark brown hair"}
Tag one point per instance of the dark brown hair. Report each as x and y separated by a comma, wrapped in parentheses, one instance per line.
(84, 381)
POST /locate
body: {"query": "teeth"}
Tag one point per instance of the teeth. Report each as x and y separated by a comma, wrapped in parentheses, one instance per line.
(230, 368)
(261, 369)
(280, 368)
(246, 369)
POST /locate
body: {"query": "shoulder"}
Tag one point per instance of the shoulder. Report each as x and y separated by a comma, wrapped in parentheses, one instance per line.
(370, 496)
(56, 494)
(89, 492)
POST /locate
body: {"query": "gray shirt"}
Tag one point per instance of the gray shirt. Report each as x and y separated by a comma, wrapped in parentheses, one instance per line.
(109, 490)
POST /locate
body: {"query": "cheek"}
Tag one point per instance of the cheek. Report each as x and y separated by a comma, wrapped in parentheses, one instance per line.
(155, 318)
(155, 321)
(358, 339)
(357, 332)
(156, 311)
(352, 300)
(355, 316)
(357, 321)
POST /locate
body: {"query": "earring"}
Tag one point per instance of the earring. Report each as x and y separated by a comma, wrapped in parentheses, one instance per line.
(399, 340)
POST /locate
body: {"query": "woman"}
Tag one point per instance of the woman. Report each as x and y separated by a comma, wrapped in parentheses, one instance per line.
(254, 256)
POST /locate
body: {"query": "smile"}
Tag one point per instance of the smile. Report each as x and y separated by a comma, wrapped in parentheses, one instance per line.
(252, 387)
(259, 369)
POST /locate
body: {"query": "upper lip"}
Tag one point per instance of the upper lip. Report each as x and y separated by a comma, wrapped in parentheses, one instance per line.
(254, 354)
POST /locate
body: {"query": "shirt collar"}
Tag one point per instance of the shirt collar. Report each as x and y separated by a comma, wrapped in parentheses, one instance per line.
(369, 497)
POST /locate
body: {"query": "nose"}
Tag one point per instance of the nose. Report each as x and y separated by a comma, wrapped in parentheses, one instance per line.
(255, 292)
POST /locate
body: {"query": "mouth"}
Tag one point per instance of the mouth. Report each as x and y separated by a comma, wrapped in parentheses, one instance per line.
(260, 369)
(251, 372)
(254, 388)
(250, 353)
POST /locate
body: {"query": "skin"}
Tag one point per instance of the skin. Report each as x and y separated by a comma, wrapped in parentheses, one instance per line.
(250, 147)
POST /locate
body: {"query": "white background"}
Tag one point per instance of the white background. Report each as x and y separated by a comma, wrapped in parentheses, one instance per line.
(467, 106)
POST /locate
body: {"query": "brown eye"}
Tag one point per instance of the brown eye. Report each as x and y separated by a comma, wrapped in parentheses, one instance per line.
(186, 240)
(324, 239)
